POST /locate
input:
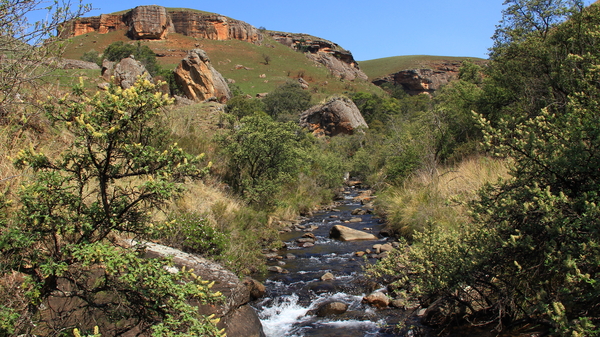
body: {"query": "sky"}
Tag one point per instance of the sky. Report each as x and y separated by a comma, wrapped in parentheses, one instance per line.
(370, 29)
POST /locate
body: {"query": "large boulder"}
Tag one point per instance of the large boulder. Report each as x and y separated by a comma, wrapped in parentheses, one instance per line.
(338, 115)
(337, 66)
(199, 80)
(344, 233)
(377, 299)
(331, 309)
(149, 22)
(127, 72)
(237, 316)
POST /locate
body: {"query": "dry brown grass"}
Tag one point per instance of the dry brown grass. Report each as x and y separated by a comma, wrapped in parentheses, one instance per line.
(439, 199)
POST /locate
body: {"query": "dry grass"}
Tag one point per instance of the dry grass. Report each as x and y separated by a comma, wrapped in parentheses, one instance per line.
(438, 200)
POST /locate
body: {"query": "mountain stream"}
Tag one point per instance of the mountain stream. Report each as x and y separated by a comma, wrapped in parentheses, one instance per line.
(288, 308)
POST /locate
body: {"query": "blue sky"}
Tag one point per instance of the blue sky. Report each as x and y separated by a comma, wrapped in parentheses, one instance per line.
(369, 29)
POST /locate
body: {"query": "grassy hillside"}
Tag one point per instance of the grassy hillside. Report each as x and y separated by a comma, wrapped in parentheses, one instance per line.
(240, 61)
(389, 65)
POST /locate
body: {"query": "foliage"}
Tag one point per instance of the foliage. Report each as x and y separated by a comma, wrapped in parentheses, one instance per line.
(35, 46)
(191, 232)
(117, 51)
(262, 154)
(532, 251)
(240, 106)
(92, 56)
(62, 235)
(288, 99)
(522, 18)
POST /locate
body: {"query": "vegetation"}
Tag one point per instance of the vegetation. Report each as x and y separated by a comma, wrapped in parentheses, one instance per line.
(287, 100)
(529, 251)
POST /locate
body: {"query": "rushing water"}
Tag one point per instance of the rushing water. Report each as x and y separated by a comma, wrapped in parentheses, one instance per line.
(287, 307)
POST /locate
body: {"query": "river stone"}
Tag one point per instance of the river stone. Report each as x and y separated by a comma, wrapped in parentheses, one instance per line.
(331, 308)
(344, 233)
(358, 211)
(323, 287)
(243, 324)
(327, 277)
(306, 244)
(290, 256)
(257, 289)
(309, 235)
(355, 220)
(277, 269)
(377, 299)
(305, 240)
(359, 254)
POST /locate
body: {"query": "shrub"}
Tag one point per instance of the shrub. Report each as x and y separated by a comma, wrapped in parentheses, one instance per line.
(288, 98)
(117, 51)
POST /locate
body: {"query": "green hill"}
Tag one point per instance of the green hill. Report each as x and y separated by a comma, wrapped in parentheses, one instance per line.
(389, 65)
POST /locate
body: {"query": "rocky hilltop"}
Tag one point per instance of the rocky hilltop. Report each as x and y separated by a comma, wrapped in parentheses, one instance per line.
(423, 80)
(155, 22)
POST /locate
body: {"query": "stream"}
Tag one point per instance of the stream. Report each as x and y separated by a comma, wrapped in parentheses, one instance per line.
(291, 298)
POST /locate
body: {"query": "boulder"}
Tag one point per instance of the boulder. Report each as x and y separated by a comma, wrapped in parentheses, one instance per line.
(377, 299)
(149, 22)
(235, 310)
(337, 67)
(77, 64)
(331, 308)
(257, 289)
(199, 79)
(128, 70)
(108, 69)
(344, 233)
(338, 115)
(327, 277)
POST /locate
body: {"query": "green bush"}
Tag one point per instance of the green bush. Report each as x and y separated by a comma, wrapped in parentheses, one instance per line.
(117, 51)
(287, 99)
(92, 56)
(240, 106)
(192, 233)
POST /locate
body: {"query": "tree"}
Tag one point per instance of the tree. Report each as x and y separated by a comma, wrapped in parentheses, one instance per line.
(64, 238)
(263, 154)
(289, 98)
(532, 251)
(28, 51)
(524, 17)
(117, 51)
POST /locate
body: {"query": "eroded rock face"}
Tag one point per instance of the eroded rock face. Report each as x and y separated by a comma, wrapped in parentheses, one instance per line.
(237, 317)
(214, 27)
(127, 72)
(199, 79)
(421, 81)
(154, 22)
(149, 22)
(338, 115)
(337, 67)
(339, 61)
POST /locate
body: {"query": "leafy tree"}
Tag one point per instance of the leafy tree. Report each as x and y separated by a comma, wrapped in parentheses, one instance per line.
(117, 51)
(525, 17)
(288, 99)
(532, 253)
(64, 241)
(263, 154)
(240, 106)
(34, 45)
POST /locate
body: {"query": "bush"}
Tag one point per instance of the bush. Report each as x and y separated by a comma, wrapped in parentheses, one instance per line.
(240, 106)
(191, 232)
(117, 51)
(288, 99)
(92, 56)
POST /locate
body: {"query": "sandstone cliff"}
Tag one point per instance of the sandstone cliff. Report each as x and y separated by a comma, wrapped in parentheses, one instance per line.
(155, 22)
(339, 61)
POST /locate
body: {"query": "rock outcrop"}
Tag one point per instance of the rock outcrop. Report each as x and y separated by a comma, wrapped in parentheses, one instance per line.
(237, 317)
(127, 72)
(155, 22)
(339, 61)
(344, 233)
(149, 22)
(338, 115)
(199, 80)
(425, 80)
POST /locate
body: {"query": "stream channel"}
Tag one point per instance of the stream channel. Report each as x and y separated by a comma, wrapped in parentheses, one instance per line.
(287, 308)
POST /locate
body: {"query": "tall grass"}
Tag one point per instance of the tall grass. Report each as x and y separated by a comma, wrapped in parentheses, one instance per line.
(438, 199)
